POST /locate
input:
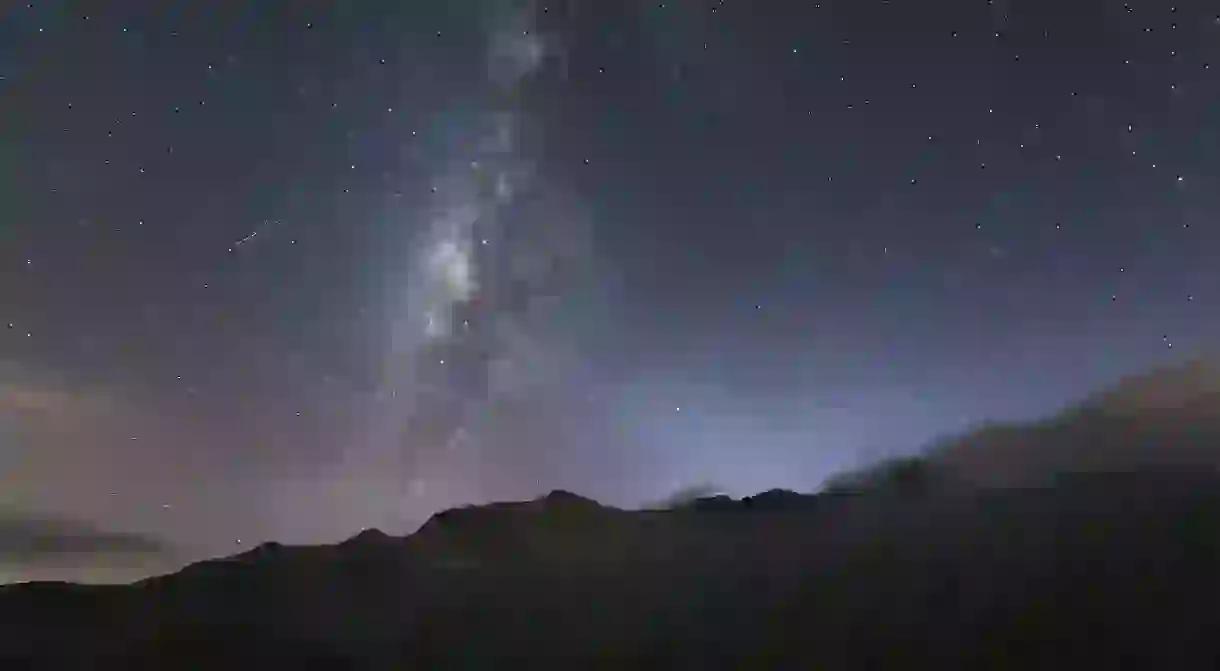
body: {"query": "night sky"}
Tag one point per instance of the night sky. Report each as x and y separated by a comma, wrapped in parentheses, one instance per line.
(283, 270)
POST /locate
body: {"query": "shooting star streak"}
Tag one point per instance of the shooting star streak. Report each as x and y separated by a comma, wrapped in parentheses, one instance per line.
(261, 228)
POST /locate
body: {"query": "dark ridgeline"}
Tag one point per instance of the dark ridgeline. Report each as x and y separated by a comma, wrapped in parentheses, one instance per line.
(912, 564)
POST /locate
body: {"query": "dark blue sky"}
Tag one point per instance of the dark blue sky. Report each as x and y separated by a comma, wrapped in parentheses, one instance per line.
(288, 269)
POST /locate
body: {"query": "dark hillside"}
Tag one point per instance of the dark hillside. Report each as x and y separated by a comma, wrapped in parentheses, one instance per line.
(908, 563)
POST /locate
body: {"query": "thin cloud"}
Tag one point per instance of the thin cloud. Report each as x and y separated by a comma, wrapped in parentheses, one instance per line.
(25, 539)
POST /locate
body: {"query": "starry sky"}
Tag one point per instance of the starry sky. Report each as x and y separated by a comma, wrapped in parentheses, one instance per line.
(281, 270)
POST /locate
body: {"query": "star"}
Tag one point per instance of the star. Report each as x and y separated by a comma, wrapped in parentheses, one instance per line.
(639, 273)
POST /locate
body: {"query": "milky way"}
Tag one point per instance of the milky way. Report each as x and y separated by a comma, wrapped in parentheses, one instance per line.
(284, 270)
(500, 249)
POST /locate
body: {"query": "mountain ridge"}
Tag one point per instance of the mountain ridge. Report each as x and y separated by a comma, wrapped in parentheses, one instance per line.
(698, 584)
(1068, 562)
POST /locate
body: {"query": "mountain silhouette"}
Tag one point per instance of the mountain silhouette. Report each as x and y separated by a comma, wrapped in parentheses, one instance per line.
(935, 560)
(1169, 418)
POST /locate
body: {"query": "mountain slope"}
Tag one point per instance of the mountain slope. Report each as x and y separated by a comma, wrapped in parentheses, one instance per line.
(1113, 559)
(1169, 418)
(1107, 567)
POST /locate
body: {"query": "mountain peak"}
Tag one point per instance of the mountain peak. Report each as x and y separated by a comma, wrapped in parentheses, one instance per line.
(368, 536)
(564, 498)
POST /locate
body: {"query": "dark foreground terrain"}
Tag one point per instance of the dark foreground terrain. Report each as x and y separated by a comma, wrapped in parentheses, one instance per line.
(993, 551)
(1101, 570)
